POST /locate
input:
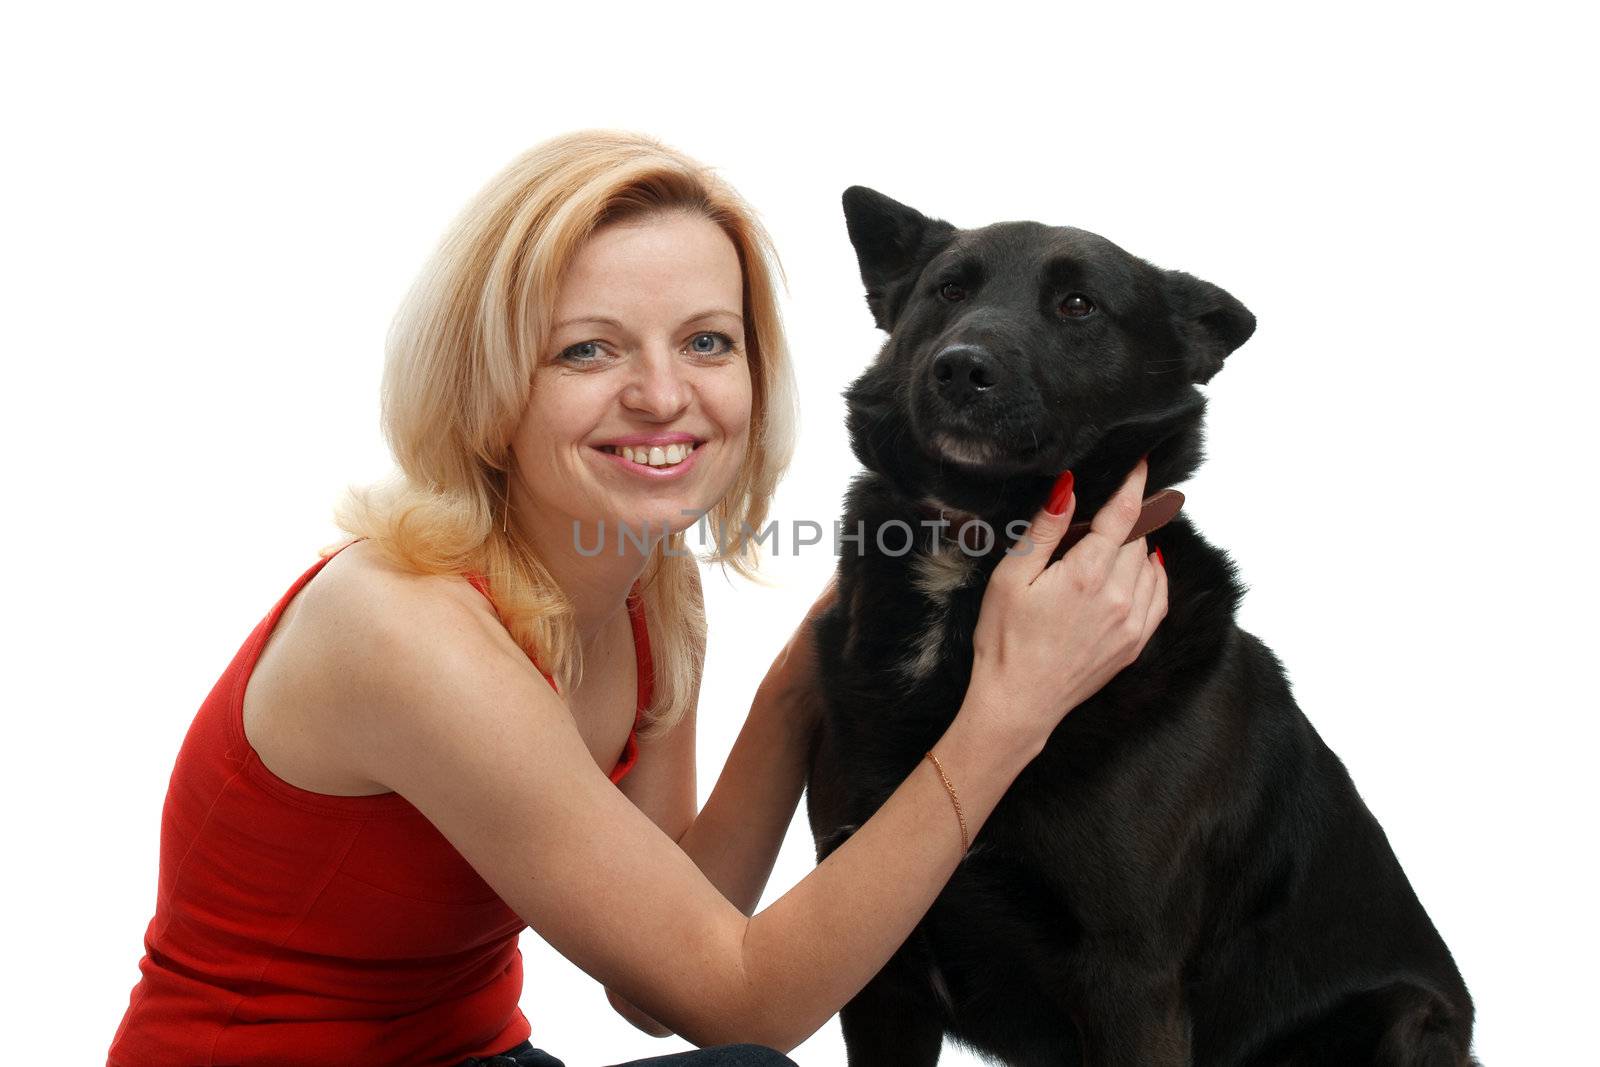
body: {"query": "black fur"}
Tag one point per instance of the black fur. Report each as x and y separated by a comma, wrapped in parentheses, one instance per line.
(1186, 874)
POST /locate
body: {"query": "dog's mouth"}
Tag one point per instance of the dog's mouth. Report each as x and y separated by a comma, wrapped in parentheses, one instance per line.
(981, 454)
(964, 450)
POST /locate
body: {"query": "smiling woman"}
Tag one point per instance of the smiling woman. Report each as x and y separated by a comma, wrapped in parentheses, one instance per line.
(564, 287)
(596, 342)
(624, 356)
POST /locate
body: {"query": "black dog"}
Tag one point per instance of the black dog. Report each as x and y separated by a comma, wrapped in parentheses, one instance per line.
(1185, 875)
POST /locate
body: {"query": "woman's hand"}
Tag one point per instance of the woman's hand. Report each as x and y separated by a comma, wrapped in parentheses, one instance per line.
(1050, 635)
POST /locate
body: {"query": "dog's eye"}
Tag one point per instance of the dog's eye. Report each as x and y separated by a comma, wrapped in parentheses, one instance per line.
(951, 291)
(1076, 306)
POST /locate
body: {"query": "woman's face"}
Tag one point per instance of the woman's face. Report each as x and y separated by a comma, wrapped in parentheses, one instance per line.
(639, 411)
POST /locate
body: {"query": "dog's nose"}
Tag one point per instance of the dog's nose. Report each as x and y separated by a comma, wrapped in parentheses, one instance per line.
(962, 372)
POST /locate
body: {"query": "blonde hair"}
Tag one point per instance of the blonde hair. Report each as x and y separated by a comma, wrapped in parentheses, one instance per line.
(460, 363)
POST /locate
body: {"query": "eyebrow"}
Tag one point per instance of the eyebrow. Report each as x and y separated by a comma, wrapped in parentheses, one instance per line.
(603, 321)
(1112, 280)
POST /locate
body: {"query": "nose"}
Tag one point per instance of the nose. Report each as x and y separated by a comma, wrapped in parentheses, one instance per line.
(656, 385)
(962, 373)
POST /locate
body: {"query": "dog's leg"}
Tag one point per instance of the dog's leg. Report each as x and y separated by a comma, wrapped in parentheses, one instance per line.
(882, 1027)
(1126, 1025)
(1399, 1025)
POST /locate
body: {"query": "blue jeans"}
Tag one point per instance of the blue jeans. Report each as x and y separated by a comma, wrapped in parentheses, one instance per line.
(525, 1055)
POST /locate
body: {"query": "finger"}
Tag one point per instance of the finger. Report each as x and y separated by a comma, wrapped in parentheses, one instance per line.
(1108, 531)
(1144, 586)
(1138, 607)
(1028, 556)
(1119, 524)
(1156, 609)
(1126, 570)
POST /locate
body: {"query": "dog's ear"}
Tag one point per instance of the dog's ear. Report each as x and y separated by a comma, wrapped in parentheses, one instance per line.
(1210, 322)
(892, 242)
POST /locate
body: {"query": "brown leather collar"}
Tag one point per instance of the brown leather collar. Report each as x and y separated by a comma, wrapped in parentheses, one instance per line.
(966, 530)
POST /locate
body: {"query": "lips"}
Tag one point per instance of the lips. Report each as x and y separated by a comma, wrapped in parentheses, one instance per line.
(653, 454)
(651, 439)
(635, 461)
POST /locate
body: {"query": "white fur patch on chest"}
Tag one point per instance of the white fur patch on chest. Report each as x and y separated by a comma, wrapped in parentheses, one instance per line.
(936, 574)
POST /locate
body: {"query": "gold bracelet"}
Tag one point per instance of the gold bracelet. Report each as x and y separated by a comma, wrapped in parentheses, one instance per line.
(962, 819)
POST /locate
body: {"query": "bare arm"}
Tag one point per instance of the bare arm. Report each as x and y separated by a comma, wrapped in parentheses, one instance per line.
(736, 838)
(434, 710)
(820, 943)
(435, 705)
(1048, 637)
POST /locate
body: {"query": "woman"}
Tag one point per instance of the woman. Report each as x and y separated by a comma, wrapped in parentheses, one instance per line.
(382, 790)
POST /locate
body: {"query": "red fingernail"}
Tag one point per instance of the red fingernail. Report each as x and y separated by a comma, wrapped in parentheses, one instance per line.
(1160, 558)
(1060, 493)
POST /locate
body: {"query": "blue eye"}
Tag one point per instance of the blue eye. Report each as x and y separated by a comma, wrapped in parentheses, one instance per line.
(713, 337)
(582, 352)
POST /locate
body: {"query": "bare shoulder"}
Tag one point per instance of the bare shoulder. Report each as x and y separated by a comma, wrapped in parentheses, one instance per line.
(430, 707)
(365, 624)
(358, 631)
(360, 591)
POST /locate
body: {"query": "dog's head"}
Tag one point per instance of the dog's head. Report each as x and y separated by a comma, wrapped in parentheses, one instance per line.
(1019, 350)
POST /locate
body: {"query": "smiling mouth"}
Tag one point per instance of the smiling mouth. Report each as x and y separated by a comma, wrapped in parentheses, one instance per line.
(653, 455)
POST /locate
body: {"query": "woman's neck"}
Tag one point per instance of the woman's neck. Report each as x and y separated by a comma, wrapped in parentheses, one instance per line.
(594, 572)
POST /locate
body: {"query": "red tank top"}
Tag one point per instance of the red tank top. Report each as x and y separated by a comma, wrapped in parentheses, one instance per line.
(300, 928)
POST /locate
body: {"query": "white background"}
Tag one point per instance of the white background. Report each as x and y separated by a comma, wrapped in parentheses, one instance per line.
(210, 214)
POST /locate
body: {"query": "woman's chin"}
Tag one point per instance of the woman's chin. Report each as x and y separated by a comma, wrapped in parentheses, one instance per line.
(650, 524)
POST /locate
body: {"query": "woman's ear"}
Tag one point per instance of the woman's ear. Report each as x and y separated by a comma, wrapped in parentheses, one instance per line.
(892, 242)
(1209, 321)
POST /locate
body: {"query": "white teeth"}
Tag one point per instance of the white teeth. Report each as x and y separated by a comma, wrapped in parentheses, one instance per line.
(654, 456)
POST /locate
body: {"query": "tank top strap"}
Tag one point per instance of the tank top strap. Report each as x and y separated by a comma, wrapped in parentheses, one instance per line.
(641, 648)
(481, 584)
(644, 668)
